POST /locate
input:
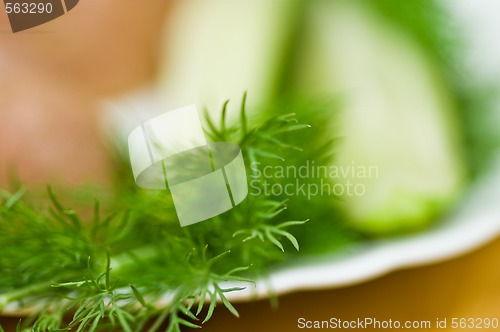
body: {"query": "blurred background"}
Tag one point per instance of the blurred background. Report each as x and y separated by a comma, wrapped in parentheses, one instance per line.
(416, 83)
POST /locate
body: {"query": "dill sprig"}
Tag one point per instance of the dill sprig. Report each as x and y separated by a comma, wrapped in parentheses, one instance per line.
(109, 273)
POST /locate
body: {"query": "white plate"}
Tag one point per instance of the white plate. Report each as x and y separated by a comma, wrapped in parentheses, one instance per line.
(474, 222)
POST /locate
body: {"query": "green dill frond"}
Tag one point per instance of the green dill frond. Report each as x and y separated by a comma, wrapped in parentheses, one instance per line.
(115, 272)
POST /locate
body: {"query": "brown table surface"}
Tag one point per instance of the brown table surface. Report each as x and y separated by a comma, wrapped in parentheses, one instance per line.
(464, 287)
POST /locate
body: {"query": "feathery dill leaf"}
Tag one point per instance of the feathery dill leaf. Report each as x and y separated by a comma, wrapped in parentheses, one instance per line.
(136, 268)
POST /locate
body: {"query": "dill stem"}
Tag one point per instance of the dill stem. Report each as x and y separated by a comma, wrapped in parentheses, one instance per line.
(17, 294)
(130, 257)
(118, 263)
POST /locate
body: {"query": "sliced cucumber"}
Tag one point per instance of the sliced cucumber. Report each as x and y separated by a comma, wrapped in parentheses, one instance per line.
(396, 118)
(217, 49)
